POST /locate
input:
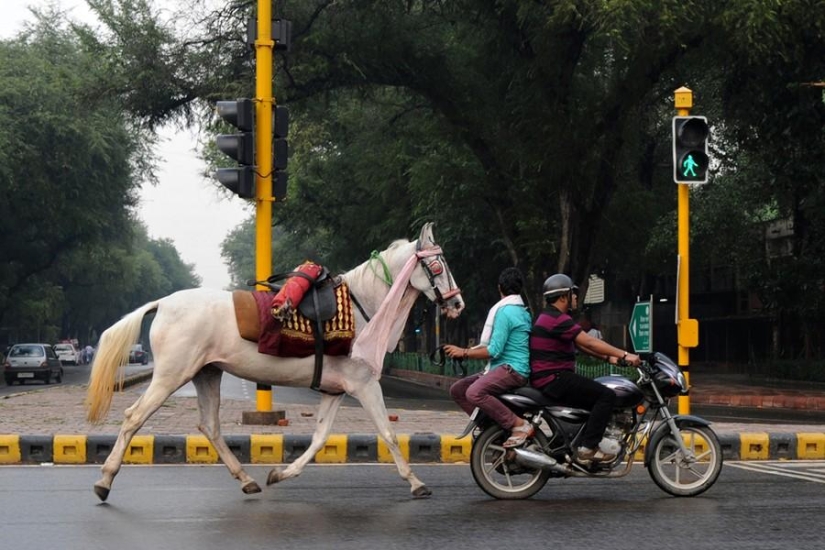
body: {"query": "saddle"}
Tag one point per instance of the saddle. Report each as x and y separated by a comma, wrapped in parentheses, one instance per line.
(322, 324)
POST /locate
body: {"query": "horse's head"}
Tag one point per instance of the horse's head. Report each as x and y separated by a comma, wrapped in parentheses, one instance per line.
(432, 275)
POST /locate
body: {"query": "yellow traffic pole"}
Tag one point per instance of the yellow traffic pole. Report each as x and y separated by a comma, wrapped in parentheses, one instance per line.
(687, 328)
(263, 153)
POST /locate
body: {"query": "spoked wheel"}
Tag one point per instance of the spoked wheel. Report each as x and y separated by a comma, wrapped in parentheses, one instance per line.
(498, 474)
(685, 476)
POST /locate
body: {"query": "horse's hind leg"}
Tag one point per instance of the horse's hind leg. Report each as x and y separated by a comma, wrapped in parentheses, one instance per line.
(208, 386)
(134, 417)
(326, 415)
(372, 399)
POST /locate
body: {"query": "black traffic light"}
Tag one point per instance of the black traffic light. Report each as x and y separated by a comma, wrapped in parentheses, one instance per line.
(690, 149)
(240, 147)
(280, 151)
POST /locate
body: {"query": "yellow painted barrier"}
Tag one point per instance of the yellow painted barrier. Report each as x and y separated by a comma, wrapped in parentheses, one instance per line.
(755, 446)
(200, 451)
(334, 450)
(10, 449)
(639, 456)
(384, 454)
(266, 449)
(810, 446)
(141, 450)
(454, 449)
(70, 449)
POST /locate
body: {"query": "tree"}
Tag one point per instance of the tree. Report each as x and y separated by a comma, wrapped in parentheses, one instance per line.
(536, 133)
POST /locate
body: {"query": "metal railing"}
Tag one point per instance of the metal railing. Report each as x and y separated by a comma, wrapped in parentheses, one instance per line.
(417, 362)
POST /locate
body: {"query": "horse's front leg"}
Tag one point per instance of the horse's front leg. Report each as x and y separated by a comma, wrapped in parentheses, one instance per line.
(372, 399)
(326, 415)
(208, 387)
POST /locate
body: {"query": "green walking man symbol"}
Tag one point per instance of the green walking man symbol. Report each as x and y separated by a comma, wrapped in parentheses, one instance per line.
(688, 167)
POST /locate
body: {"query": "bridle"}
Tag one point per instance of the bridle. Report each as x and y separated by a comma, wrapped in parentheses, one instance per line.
(433, 268)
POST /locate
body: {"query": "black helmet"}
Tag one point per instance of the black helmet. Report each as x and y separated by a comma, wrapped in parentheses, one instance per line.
(558, 285)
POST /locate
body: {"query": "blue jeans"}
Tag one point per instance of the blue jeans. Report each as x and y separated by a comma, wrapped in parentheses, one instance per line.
(480, 390)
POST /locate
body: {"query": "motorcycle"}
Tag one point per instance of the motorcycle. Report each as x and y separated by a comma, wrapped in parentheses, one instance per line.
(681, 452)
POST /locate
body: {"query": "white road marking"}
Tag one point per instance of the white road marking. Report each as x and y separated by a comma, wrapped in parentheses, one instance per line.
(812, 471)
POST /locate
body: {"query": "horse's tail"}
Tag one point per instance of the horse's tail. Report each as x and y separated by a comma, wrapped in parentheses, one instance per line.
(112, 353)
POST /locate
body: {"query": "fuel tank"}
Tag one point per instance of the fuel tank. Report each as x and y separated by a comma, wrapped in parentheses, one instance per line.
(627, 392)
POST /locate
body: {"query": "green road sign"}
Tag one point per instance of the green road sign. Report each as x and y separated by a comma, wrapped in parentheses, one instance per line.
(640, 327)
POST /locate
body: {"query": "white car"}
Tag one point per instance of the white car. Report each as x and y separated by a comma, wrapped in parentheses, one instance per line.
(67, 354)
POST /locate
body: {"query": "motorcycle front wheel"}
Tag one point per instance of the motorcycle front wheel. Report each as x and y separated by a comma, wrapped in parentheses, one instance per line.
(495, 471)
(681, 475)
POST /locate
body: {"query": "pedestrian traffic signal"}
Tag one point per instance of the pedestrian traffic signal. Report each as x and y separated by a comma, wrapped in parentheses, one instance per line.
(690, 149)
(240, 147)
(280, 156)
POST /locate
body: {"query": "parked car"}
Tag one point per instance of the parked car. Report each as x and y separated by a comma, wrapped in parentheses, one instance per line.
(138, 355)
(67, 353)
(32, 362)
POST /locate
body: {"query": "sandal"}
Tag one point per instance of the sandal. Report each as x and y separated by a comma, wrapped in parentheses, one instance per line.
(519, 435)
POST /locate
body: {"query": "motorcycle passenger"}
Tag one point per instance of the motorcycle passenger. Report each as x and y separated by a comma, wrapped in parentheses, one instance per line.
(553, 342)
(504, 341)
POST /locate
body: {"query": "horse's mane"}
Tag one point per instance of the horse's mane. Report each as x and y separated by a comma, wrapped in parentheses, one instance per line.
(364, 273)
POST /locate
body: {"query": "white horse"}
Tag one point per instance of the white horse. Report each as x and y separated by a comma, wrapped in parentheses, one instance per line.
(194, 336)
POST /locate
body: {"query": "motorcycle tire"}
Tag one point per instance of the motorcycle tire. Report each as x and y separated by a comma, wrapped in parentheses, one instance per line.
(499, 476)
(673, 473)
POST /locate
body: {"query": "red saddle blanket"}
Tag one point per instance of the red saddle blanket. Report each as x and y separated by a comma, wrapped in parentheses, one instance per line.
(294, 337)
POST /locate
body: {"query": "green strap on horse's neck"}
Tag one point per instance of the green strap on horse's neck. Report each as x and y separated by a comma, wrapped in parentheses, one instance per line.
(387, 275)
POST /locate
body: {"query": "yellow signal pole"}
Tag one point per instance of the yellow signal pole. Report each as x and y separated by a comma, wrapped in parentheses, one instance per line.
(687, 329)
(264, 46)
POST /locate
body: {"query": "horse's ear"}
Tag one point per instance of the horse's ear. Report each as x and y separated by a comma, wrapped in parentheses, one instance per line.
(426, 239)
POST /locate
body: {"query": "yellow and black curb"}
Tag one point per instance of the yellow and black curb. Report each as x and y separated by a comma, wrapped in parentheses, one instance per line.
(339, 449)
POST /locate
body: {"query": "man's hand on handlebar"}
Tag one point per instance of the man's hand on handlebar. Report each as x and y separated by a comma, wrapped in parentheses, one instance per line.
(627, 360)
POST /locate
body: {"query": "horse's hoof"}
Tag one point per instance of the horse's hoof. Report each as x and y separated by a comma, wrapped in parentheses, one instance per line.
(422, 492)
(101, 492)
(273, 477)
(251, 488)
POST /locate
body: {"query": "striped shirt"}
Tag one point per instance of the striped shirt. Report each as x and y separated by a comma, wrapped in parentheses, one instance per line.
(552, 349)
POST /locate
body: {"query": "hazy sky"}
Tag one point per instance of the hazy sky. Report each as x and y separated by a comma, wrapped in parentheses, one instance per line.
(183, 206)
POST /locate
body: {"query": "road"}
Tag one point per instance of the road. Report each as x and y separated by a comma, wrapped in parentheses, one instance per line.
(72, 375)
(753, 506)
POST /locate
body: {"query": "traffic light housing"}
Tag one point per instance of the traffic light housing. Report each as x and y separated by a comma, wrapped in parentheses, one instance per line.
(240, 147)
(280, 151)
(690, 149)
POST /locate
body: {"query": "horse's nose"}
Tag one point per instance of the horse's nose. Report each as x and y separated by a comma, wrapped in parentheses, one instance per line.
(455, 310)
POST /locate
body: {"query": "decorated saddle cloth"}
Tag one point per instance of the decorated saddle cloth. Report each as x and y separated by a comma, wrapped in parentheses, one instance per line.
(293, 337)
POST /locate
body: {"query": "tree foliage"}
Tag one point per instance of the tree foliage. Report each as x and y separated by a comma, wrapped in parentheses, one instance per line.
(71, 162)
(535, 134)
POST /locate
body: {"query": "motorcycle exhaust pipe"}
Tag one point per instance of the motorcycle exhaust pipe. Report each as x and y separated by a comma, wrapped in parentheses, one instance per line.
(532, 459)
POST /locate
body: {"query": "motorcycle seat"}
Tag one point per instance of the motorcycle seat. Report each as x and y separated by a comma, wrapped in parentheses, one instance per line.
(542, 400)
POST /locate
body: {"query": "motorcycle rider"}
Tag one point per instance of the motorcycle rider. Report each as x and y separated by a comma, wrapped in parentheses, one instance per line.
(553, 342)
(503, 341)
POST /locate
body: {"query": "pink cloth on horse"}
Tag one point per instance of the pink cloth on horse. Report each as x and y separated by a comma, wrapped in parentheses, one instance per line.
(373, 342)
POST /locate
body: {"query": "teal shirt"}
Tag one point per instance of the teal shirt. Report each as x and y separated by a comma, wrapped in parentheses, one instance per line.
(510, 342)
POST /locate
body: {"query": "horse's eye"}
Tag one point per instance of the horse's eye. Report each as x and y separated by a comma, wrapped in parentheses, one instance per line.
(435, 267)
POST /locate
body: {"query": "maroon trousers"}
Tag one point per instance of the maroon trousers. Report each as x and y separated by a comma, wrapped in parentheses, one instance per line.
(479, 390)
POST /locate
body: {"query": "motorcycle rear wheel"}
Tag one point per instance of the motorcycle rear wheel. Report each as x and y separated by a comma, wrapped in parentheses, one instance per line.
(500, 477)
(675, 475)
